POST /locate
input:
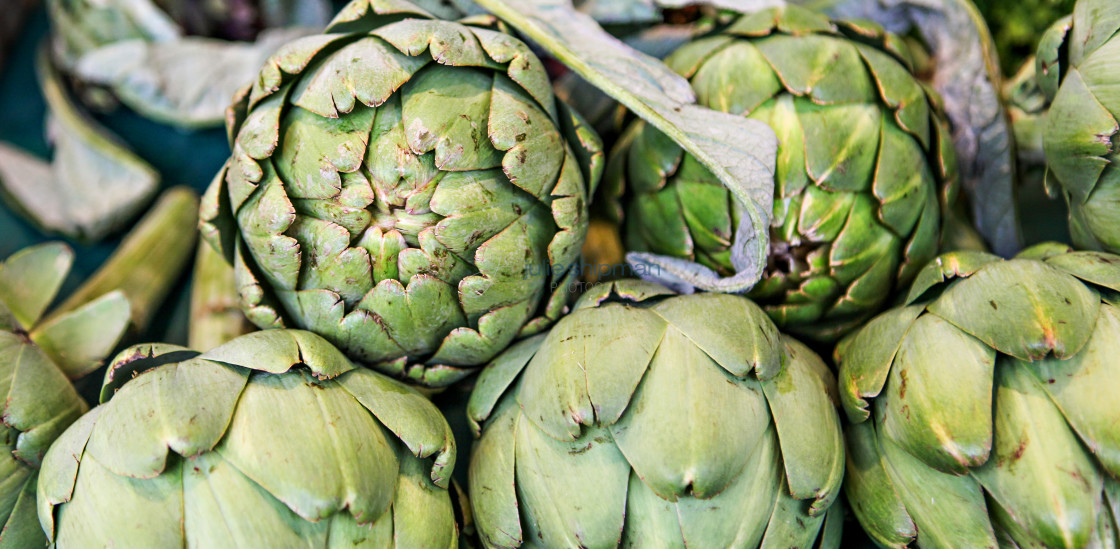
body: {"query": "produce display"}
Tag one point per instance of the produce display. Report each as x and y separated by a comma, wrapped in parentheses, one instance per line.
(864, 167)
(844, 284)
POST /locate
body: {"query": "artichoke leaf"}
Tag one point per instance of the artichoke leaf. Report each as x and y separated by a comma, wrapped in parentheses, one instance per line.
(1055, 312)
(283, 452)
(808, 427)
(690, 447)
(421, 517)
(945, 268)
(23, 529)
(941, 415)
(1039, 474)
(494, 496)
(56, 486)
(745, 341)
(193, 401)
(214, 492)
(110, 509)
(739, 151)
(957, 517)
(866, 357)
(573, 493)
(77, 341)
(581, 375)
(790, 525)
(751, 496)
(408, 415)
(1084, 388)
(873, 498)
(30, 279)
(497, 378)
(650, 520)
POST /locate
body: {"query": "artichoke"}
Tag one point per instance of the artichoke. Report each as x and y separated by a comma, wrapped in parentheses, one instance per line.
(176, 61)
(864, 166)
(985, 408)
(1078, 69)
(408, 188)
(638, 422)
(38, 358)
(275, 429)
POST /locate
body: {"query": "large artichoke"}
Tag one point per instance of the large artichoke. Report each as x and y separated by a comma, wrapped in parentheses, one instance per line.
(274, 439)
(38, 358)
(407, 188)
(864, 165)
(639, 422)
(177, 61)
(1078, 66)
(985, 408)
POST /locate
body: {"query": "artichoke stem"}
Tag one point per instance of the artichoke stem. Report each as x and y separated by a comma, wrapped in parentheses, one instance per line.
(216, 315)
(149, 260)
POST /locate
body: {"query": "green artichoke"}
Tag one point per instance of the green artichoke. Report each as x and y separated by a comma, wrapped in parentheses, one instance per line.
(638, 422)
(864, 166)
(277, 430)
(407, 188)
(1078, 67)
(38, 358)
(176, 61)
(985, 408)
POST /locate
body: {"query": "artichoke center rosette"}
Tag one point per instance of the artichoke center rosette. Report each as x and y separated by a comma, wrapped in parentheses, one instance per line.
(638, 422)
(274, 439)
(407, 188)
(1078, 67)
(38, 359)
(985, 408)
(865, 164)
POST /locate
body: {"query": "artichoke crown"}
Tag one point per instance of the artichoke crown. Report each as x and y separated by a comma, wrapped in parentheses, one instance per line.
(277, 425)
(996, 378)
(637, 420)
(406, 187)
(864, 166)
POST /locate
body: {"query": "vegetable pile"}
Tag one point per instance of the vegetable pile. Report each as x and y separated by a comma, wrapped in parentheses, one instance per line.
(653, 273)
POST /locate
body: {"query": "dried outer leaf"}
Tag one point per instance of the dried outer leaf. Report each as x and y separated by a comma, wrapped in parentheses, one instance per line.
(94, 184)
(186, 82)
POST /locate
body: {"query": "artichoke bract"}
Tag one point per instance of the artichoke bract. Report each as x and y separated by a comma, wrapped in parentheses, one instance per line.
(274, 439)
(408, 188)
(985, 408)
(1078, 67)
(864, 166)
(38, 358)
(638, 422)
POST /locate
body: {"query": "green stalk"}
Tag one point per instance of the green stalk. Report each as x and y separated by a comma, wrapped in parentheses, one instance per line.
(216, 315)
(149, 260)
